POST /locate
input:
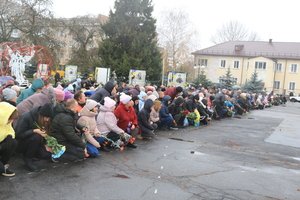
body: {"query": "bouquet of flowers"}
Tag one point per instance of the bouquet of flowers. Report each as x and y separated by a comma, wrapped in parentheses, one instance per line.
(52, 145)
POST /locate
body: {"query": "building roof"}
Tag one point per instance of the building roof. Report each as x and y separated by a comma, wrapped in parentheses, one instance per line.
(272, 50)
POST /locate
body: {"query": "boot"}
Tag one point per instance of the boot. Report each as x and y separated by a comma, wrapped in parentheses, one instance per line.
(30, 165)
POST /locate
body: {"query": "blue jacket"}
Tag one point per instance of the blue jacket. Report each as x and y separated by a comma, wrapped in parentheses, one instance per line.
(164, 111)
(36, 84)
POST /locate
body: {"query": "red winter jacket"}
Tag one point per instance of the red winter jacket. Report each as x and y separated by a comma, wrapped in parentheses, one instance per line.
(171, 91)
(125, 115)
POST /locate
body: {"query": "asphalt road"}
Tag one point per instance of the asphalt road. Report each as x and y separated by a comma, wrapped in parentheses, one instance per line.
(256, 156)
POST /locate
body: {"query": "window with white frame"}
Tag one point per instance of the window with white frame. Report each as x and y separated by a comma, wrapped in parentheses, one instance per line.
(276, 84)
(294, 68)
(260, 65)
(278, 67)
(236, 64)
(292, 86)
(223, 63)
(202, 62)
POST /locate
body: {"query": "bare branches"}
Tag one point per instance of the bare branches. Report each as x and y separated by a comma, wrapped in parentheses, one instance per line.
(233, 31)
(175, 34)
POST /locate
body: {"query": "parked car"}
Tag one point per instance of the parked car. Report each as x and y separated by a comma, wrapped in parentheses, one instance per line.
(295, 99)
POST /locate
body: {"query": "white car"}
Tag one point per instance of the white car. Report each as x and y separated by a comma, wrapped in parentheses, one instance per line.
(295, 99)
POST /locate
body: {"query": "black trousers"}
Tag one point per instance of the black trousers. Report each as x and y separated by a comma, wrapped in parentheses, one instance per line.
(33, 146)
(72, 153)
(7, 148)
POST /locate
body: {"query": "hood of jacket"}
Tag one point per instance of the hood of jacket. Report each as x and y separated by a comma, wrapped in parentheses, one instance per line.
(141, 95)
(5, 127)
(6, 111)
(37, 83)
(166, 99)
(148, 104)
(105, 109)
(109, 86)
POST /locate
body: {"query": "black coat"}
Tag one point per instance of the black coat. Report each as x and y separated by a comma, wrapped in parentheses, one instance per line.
(63, 127)
(26, 123)
(144, 116)
(101, 93)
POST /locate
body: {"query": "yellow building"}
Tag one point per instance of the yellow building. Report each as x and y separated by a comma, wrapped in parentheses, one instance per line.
(276, 63)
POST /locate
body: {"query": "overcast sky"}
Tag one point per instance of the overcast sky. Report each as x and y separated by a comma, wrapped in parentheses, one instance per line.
(276, 19)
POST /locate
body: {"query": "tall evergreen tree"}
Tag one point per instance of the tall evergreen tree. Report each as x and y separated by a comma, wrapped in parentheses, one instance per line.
(227, 81)
(130, 40)
(254, 85)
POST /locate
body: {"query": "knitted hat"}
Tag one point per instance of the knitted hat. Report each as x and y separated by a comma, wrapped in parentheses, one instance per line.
(59, 94)
(155, 93)
(90, 104)
(108, 102)
(16, 88)
(124, 98)
(60, 87)
(68, 95)
(152, 97)
(9, 94)
(46, 110)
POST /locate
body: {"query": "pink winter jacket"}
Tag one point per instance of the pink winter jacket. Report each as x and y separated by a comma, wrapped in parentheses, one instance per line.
(107, 121)
(89, 118)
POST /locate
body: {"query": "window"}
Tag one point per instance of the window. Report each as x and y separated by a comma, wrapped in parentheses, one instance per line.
(236, 64)
(294, 68)
(292, 86)
(260, 65)
(276, 84)
(278, 67)
(202, 62)
(223, 63)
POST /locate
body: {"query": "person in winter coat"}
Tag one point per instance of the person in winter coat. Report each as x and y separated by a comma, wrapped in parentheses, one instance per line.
(142, 97)
(31, 129)
(134, 92)
(173, 91)
(178, 111)
(63, 128)
(36, 86)
(10, 96)
(8, 143)
(39, 99)
(107, 123)
(92, 136)
(219, 103)
(147, 127)
(125, 113)
(108, 90)
(81, 100)
(166, 119)
(154, 114)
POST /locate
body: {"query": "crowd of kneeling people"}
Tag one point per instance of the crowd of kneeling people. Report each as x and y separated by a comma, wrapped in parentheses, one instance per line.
(72, 123)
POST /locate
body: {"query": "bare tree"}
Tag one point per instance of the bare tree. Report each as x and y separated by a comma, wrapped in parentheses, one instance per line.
(86, 32)
(8, 11)
(233, 31)
(175, 35)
